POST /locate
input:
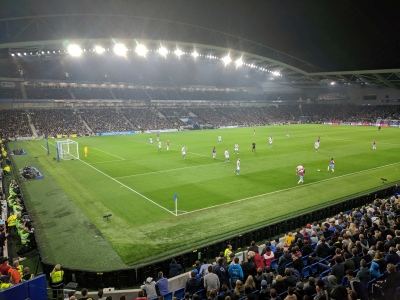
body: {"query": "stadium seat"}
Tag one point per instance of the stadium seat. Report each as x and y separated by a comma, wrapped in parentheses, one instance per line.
(155, 298)
(274, 263)
(324, 273)
(305, 259)
(283, 295)
(305, 272)
(201, 293)
(179, 293)
(168, 296)
(344, 281)
(289, 265)
(256, 292)
(314, 268)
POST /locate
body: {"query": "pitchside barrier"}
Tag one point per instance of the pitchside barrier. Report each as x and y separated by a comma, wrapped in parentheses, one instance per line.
(129, 278)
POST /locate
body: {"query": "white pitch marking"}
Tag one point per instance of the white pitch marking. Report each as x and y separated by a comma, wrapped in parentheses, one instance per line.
(148, 199)
(295, 187)
(104, 162)
(162, 171)
(109, 153)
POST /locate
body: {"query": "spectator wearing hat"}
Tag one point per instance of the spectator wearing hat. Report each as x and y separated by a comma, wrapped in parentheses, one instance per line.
(264, 291)
(150, 288)
(162, 284)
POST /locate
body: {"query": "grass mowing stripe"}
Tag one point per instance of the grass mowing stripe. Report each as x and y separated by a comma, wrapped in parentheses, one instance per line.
(162, 171)
(109, 153)
(129, 188)
(295, 187)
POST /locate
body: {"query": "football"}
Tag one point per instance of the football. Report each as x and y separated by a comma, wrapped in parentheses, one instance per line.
(319, 170)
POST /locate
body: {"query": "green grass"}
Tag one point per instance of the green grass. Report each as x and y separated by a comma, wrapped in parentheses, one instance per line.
(126, 177)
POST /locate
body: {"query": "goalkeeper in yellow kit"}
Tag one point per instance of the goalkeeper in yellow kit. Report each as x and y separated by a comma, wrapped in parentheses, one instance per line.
(86, 150)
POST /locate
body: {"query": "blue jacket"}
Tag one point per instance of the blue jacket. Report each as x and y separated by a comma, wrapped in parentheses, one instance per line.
(375, 270)
(235, 272)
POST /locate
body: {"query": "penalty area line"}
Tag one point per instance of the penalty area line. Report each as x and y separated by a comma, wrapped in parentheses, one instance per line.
(291, 188)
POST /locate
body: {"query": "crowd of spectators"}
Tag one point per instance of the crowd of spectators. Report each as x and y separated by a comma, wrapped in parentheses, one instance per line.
(106, 120)
(53, 122)
(14, 123)
(355, 253)
(92, 93)
(147, 119)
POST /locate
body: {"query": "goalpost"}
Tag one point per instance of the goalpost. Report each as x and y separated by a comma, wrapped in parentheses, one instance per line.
(67, 150)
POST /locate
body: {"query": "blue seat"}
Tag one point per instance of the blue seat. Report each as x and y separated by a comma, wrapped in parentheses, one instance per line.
(324, 273)
(274, 263)
(314, 268)
(256, 292)
(314, 245)
(369, 285)
(305, 259)
(179, 293)
(289, 265)
(201, 293)
(305, 272)
(283, 295)
(344, 281)
(168, 296)
(155, 298)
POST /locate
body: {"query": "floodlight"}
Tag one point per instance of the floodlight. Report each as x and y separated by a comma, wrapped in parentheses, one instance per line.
(120, 49)
(12, 54)
(227, 59)
(178, 52)
(74, 50)
(276, 73)
(141, 50)
(332, 83)
(163, 51)
(19, 54)
(239, 62)
(99, 49)
(195, 54)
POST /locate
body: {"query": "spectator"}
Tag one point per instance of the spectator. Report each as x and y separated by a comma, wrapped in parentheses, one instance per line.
(391, 282)
(85, 295)
(141, 296)
(174, 268)
(211, 280)
(162, 284)
(356, 285)
(149, 287)
(364, 274)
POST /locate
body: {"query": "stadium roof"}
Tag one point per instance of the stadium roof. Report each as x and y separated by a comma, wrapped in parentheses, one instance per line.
(34, 28)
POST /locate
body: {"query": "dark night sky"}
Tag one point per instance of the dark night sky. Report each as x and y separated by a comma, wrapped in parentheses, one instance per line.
(334, 35)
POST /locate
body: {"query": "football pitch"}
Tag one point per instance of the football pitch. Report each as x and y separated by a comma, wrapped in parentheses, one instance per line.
(134, 182)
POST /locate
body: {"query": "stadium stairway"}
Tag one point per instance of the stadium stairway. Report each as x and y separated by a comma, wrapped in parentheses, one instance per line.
(84, 122)
(32, 126)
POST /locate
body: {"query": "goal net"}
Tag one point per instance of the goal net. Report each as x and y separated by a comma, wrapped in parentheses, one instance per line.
(67, 150)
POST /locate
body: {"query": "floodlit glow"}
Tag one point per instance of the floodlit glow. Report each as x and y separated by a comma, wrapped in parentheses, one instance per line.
(12, 54)
(120, 49)
(276, 73)
(141, 50)
(227, 59)
(178, 52)
(163, 51)
(239, 62)
(99, 49)
(74, 50)
(332, 83)
(195, 54)
(19, 54)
